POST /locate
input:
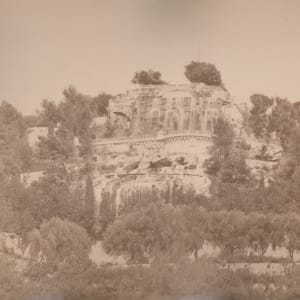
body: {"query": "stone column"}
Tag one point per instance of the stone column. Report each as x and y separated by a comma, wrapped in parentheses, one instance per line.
(205, 120)
(190, 120)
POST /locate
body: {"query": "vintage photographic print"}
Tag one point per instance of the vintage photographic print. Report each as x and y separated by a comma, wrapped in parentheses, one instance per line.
(149, 150)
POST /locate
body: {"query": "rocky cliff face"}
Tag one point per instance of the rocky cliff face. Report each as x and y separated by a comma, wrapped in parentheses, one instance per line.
(159, 168)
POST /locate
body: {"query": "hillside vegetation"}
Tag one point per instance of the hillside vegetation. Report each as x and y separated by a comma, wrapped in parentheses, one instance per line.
(55, 215)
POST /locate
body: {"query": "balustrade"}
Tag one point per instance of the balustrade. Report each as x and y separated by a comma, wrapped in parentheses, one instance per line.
(171, 136)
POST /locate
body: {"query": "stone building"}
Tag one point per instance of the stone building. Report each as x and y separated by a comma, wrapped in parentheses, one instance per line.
(167, 108)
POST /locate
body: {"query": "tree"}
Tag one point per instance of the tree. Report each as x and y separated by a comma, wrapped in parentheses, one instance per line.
(10, 278)
(100, 104)
(288, 163)
(75, 111)
(279, 197)
(273, 115)
(89, 201)
(24, 154)
(144, 233)
(260, 231)
(147, 78)
(293, 148)
(229, 196)
(85, 144)
(8, 218)
(207, 73)
(258, 120)
(33, 120)
(13, 119)
(58, 147)
(283, 120)
(227, 160)
(222, 144)
(278, 231)
(12, 132)
(235, 168)
(51, 196)
(292, 233)
(227, 230)
(195, 221)
(60, 244)
(49, 115)
(107, 213)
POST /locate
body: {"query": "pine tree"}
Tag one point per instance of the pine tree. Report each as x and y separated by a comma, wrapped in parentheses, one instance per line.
(227, 159)
(89, 204)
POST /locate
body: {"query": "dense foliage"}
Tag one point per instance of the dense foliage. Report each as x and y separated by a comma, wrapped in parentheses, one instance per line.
(157, 234)
(228, 158)
(59, 157)
(147, 78)
(15, 153)
(207, 73)
(271, 117)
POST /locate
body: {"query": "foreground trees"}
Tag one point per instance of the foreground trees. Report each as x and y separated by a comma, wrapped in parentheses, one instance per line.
(152, 231)
(10, 280)
(57, 246)
(195, 228)
(59, 266)
(291, 231)
(157, 229)
(241, 214)
(143, 233)
(160, 281)
(260, 235)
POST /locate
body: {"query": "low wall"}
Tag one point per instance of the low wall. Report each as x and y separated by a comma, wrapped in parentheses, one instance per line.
(166, 138)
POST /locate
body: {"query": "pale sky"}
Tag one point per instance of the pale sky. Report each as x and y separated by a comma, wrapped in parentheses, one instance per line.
(97, 45)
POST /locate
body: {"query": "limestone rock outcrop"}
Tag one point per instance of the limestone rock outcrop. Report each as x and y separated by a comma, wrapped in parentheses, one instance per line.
(162, 138)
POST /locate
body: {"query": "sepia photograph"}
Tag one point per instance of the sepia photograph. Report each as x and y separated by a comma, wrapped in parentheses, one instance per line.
(149, 150)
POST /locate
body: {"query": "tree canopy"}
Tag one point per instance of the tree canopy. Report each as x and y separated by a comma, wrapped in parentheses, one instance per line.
(227, 159)
(143, 233)
(60, 243)
(147, 78)
(207, 73)
(273, 116)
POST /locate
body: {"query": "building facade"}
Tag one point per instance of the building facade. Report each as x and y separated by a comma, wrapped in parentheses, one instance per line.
(150, 109)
